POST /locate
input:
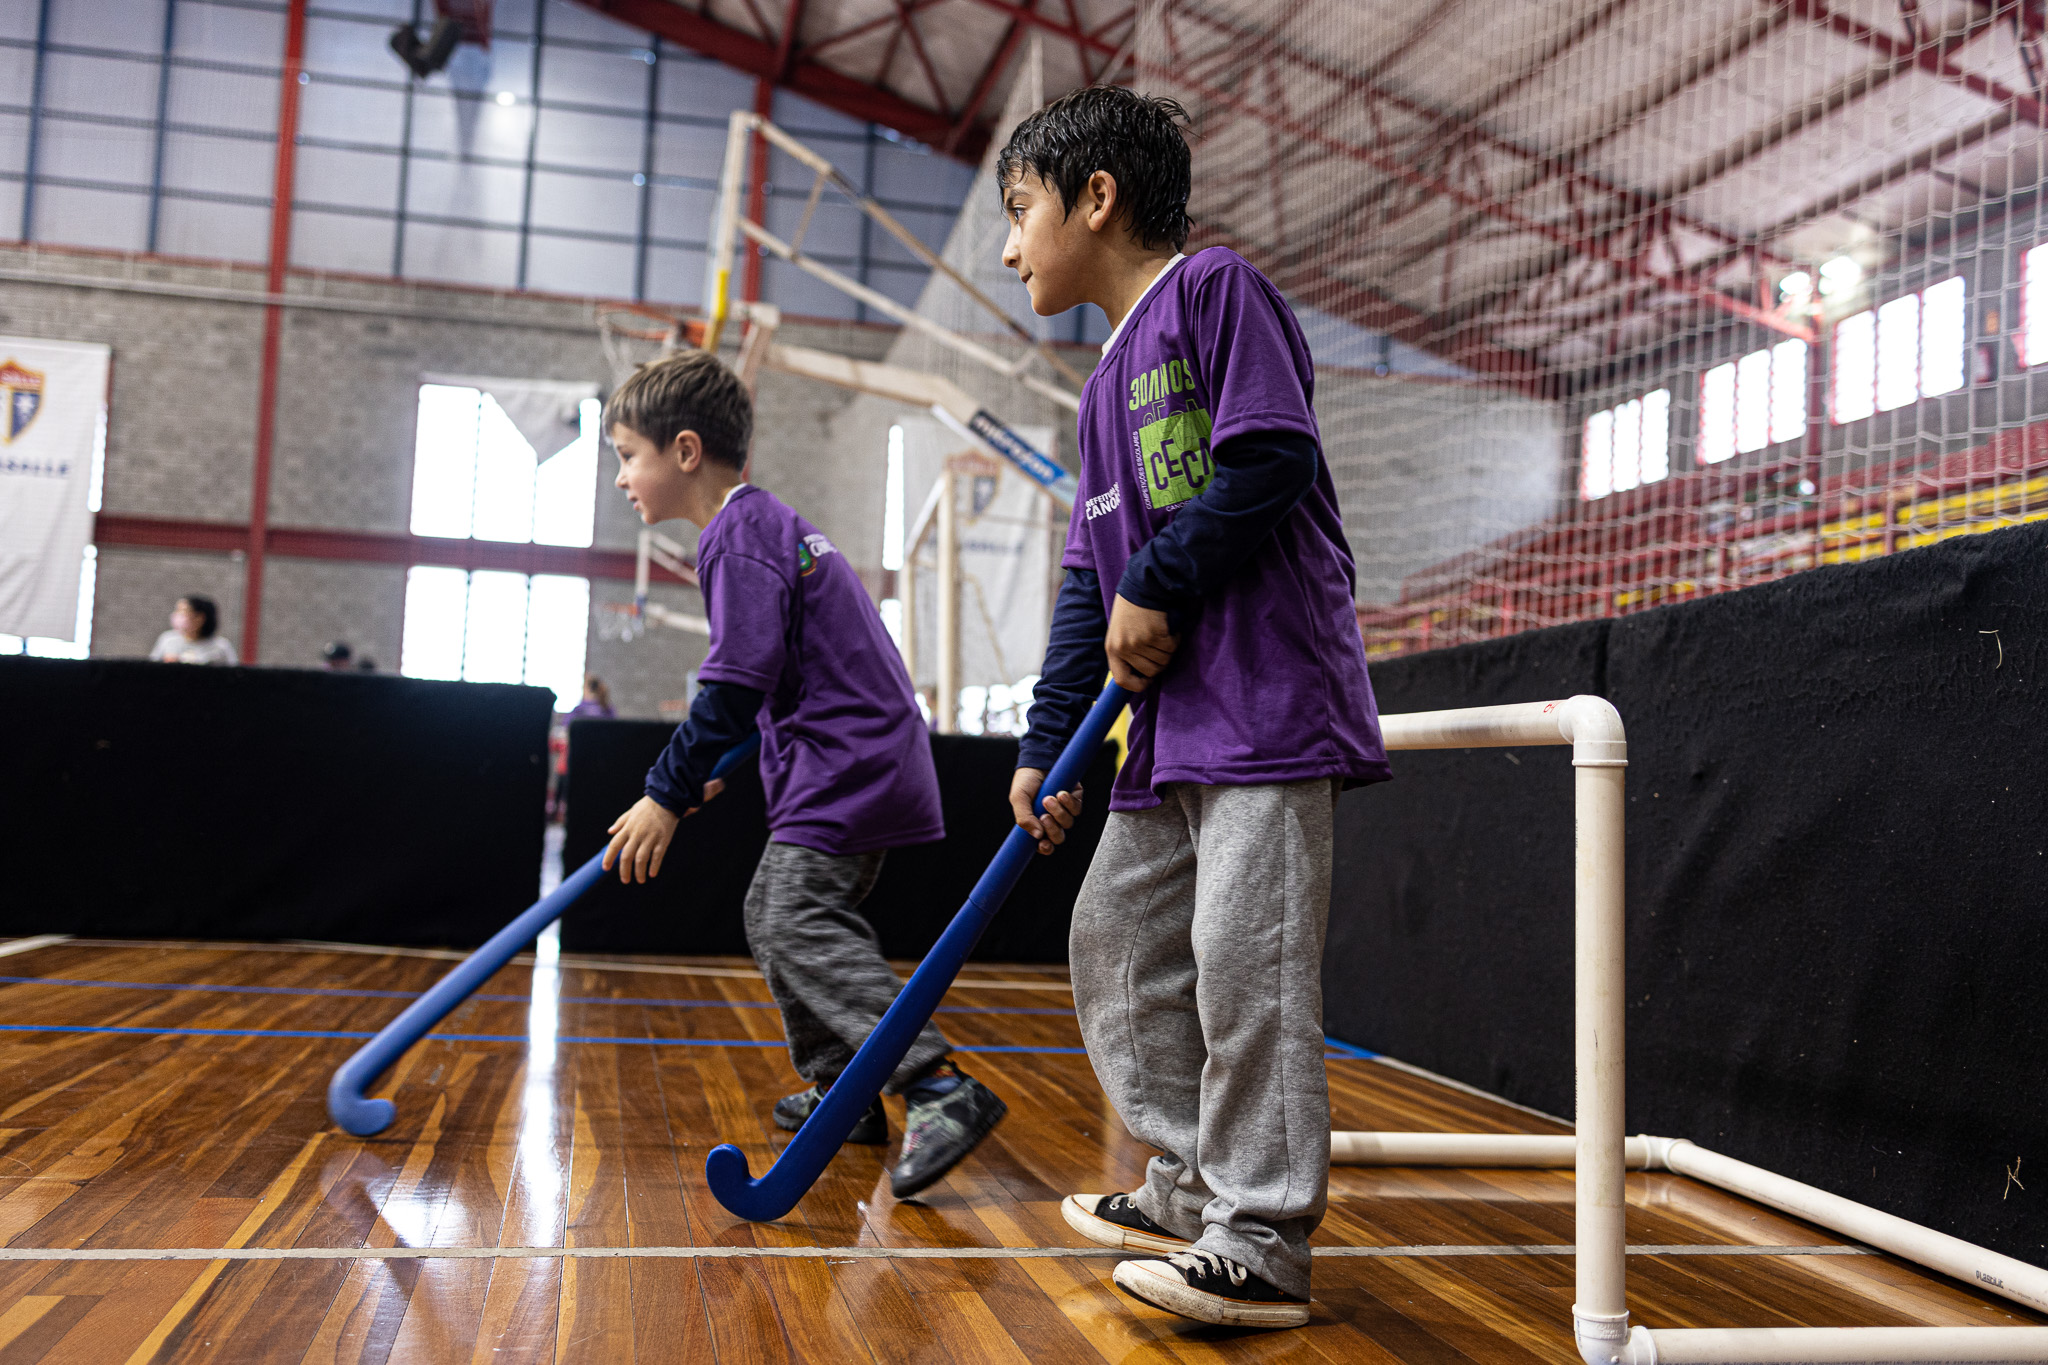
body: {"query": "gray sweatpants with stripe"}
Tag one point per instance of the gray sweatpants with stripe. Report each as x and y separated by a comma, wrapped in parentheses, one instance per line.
(822, 962)
(1197, 963)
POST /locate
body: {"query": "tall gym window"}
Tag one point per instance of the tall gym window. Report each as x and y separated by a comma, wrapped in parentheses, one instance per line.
(1626, 446)
(1754, 402)
(2033, 338)
(477, 475)
(1901, 352)
(495, 626)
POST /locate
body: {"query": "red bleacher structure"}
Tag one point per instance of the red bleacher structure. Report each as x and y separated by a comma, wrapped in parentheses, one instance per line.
(1709, 531)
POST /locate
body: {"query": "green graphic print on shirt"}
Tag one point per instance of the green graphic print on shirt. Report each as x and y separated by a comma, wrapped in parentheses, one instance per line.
(1173, 446)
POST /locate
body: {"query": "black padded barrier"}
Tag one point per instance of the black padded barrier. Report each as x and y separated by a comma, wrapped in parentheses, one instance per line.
(149, 800)
(1837, 870)
(694, 906)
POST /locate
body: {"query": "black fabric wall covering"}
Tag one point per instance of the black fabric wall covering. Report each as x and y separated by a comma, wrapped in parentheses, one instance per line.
(1838, 880)
(167, 801)
(694, 906)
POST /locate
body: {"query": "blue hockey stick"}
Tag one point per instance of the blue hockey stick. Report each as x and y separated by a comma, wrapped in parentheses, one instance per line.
(803, 1160)
(347, 1104)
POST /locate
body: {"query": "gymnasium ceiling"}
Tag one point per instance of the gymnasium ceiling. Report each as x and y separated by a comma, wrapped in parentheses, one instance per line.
(1534, 190)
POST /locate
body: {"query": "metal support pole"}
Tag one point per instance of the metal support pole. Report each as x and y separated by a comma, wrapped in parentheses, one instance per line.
(35, 123)
(947, 712)
(412, 86)
(540, 12)
(163, 113)
(283, 182)
(642, 228)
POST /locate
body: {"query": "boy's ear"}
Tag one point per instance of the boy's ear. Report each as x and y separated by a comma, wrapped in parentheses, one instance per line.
(687, 450)
(1098, 200)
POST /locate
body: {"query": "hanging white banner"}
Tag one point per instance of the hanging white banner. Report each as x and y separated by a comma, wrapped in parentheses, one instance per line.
(53, 408)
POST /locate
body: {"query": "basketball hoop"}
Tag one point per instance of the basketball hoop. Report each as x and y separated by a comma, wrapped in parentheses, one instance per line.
(635, 334)
(621, 622)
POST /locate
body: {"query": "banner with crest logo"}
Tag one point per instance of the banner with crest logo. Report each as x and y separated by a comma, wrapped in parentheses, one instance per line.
(53, 406)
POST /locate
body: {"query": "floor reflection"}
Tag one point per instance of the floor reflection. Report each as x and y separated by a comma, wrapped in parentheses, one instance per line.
(540, 1167)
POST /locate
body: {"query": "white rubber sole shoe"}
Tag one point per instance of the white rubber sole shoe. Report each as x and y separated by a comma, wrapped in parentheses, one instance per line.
(1160, 1285)
(1079, 1211)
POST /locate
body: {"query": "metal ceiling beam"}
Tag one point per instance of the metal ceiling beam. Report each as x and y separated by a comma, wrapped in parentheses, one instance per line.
(1451, 127)
(757, 57)
(1579, 242)
(1900, 58)
(985, 84)
(861, 29)
(1931, 54)
(1304, 275)
(1577, 34)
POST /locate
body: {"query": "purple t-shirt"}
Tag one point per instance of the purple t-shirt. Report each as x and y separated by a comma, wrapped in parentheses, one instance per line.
(845, 757)
(1269, 683)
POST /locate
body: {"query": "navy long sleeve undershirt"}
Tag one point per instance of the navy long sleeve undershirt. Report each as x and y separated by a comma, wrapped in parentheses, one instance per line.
(722, 715)
(1260, 476)
(1075, 665)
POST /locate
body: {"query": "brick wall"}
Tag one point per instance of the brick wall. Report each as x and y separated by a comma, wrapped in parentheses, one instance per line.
(181, 438)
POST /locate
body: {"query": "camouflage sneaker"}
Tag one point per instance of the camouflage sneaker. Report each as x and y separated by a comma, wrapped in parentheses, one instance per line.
(939, 1131)
(791, 1111)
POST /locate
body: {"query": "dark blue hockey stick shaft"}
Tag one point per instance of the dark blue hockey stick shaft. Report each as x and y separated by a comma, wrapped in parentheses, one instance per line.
(801, 1163)
(357, 1113)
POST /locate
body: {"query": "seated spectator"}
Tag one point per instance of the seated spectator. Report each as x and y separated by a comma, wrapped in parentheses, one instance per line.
(596, 703)
(194, 636)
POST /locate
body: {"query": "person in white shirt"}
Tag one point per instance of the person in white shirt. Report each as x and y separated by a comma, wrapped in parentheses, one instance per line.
(194, 636)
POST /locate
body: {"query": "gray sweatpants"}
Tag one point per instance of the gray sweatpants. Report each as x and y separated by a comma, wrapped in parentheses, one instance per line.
(822, 962)
(1197, 963)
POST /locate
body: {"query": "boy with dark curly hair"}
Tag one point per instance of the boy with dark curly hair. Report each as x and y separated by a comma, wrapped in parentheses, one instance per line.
(1207, 570)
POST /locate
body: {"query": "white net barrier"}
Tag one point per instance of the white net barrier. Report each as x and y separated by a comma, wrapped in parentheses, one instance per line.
(1617, 302)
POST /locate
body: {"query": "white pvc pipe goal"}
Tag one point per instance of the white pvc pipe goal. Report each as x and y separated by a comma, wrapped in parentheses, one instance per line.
(1602, 1153)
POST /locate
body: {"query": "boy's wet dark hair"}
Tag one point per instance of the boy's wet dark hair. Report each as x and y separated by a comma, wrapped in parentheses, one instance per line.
(690, 391)
(1136, 138)
(208, 612)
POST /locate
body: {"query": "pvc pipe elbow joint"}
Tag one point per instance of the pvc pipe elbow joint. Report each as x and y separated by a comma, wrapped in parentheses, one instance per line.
(1594, 728)
(1607, 1339)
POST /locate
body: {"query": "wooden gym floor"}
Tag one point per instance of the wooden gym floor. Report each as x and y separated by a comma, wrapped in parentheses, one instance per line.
(171, 1189)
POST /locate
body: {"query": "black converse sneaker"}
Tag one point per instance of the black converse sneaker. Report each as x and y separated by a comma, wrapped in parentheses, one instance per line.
(1210, 1288)
(949, 1113)
(791, 1110)
(1114, 1220)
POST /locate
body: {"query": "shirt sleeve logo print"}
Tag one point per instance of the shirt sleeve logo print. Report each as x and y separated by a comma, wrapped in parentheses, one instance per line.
(809, 551)
(1172, 439)
(1102, 504)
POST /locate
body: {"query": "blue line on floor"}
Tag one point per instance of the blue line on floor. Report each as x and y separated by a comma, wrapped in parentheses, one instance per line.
(512, 999)
(1351, 1050)
(1352, 1054)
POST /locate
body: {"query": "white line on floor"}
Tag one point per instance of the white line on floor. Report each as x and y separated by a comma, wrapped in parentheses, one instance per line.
(29, 945)
(598, 964)
(860, 1253)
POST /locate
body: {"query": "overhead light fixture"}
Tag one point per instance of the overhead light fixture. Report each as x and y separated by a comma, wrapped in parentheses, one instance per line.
(1796, 287)
(1840, 276)
(425, 58)
(507, 99)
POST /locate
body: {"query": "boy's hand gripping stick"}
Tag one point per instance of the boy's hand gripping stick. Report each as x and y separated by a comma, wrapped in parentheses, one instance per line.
(803, 1160)
(347, 1104)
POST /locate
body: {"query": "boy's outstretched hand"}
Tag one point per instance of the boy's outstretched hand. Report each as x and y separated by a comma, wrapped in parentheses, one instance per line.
(1138, 643)
(640, 837)
(1061, 809)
